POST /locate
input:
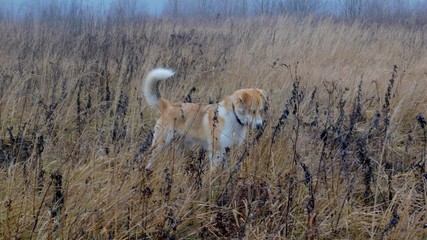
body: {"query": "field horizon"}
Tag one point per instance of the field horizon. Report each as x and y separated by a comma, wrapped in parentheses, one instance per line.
(342, 154)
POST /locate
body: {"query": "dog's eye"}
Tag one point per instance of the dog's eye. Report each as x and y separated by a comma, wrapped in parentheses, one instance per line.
(253, 111)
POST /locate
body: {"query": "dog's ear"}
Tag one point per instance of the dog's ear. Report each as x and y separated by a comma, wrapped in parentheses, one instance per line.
(244, 97)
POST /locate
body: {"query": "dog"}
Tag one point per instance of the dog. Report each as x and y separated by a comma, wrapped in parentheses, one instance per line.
(214, 127)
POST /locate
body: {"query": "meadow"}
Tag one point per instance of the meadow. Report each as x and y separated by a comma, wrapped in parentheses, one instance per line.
(342, 154)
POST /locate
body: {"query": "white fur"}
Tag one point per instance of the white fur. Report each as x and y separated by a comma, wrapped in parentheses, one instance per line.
(158, 74)
(232, 133)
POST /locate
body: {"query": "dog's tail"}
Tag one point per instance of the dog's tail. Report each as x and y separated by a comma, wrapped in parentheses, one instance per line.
(151, 87)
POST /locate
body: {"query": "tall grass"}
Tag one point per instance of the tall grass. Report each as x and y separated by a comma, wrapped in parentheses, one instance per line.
(341, 155)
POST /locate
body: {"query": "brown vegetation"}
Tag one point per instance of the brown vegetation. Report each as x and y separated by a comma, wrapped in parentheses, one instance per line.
(342, 154)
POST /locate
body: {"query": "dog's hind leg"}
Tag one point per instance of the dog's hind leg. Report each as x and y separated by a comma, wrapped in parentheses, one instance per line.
(162, 137)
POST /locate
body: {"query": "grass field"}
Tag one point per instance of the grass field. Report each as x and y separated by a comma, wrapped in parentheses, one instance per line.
(342, 154)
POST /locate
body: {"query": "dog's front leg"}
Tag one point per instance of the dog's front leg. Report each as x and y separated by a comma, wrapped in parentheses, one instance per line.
(219, 158)
(214, 159)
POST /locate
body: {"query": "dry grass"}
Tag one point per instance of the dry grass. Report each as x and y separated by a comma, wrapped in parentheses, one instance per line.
(342, 154)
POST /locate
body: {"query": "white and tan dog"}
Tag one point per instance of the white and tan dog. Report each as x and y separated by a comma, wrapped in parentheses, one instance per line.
(213, 127)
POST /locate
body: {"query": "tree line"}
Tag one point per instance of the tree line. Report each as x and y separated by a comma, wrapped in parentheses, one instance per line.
(349, 9)
(378, 10)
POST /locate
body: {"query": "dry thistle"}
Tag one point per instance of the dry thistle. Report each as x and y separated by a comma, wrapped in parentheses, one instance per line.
(392, 224)
(386, 107)
(145, 146)
(187, 98)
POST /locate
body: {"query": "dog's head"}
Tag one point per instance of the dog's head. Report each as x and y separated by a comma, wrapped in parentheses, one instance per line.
(250, 106)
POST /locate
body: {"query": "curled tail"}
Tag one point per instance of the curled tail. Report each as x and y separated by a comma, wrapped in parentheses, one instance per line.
(151, 86)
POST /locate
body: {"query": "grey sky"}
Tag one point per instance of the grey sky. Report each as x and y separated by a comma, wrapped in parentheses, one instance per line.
(19, 7)
(152, 7)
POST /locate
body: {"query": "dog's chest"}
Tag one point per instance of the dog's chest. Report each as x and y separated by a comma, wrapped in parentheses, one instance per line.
(231, 133)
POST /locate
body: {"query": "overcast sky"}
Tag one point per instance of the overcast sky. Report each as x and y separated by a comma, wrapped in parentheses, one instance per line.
(152, 7)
